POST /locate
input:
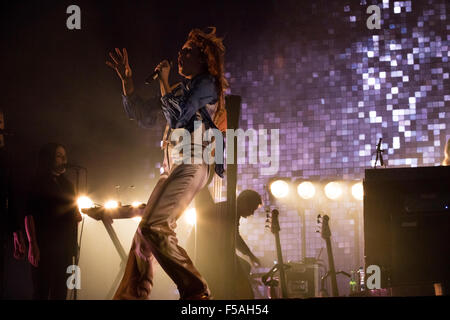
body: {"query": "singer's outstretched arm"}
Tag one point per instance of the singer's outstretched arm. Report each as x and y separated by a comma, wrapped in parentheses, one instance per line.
(145, 113)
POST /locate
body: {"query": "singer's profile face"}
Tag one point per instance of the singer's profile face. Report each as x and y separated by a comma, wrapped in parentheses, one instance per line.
(190, 62)
(60, 161)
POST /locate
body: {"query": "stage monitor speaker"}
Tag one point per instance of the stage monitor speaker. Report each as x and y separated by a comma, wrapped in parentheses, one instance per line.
(407, 224)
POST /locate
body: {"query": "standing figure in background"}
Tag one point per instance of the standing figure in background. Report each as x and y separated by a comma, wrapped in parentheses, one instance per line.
(199, 98)
(51, 224)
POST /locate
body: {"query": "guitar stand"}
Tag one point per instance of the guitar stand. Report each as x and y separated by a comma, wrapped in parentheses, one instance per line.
(270, 282)
(323, 291)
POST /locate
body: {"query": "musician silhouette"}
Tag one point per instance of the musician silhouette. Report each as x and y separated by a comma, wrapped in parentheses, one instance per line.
(205, 242)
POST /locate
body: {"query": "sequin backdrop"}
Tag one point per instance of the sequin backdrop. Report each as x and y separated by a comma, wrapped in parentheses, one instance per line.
(333, 88)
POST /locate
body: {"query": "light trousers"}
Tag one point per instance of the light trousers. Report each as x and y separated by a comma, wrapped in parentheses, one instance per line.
(155, 237)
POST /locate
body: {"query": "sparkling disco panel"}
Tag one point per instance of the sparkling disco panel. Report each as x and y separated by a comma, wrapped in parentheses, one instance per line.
(333, 88)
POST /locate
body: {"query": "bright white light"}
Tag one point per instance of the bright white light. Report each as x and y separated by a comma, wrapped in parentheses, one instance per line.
(333, 190)
(111, 204)
(137, 219)
(306, 190)
(191, 216)
(279, 188)
(136, 204)
(358, 191)
(84, 202)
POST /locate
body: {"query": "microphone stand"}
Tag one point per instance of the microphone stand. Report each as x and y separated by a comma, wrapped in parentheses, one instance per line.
(268, 280)
(379, 156)
(77, 170)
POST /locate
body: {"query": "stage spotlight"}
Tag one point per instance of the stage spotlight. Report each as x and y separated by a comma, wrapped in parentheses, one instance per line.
(358, 191)
(333, 190)
(84, 202)
(306, 190)
(279, 188)
(136, 204)
(191, 216)
(111, 204)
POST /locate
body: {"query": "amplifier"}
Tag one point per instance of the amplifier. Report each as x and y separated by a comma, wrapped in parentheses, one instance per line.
(406, 226)
(302, 280)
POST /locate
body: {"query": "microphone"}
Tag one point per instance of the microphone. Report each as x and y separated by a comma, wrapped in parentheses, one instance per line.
(379, 152)
(155, 74)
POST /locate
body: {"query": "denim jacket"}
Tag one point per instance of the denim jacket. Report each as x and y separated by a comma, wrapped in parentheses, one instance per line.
(193, 100)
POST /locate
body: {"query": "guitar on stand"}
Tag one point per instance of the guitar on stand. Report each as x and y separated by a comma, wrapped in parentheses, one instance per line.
(280, 266)
(326, 235)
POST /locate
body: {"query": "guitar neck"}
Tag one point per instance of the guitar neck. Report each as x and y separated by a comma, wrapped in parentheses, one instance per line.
(281, 263)
(332, 269)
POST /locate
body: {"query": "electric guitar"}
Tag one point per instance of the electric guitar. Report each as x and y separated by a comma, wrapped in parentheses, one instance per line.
(275, 228)
(326, 235)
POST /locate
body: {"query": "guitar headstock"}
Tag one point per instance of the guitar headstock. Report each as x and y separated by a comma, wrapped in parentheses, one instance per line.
(325, 231)
(275, 227)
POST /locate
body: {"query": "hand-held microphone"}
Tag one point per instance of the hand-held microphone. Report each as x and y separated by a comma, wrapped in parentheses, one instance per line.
(155, 74)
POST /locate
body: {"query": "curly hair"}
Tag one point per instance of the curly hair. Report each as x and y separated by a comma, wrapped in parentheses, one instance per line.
(213, 50)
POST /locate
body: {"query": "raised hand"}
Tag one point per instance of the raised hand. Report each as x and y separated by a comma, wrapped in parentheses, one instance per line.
(164, 69)
(122, 67)
(120, 64)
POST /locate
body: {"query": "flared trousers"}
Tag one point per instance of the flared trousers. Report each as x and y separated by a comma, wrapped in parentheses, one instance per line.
(155, 237)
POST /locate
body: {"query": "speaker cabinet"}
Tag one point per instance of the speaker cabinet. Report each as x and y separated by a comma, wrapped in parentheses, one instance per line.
(407, 224)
